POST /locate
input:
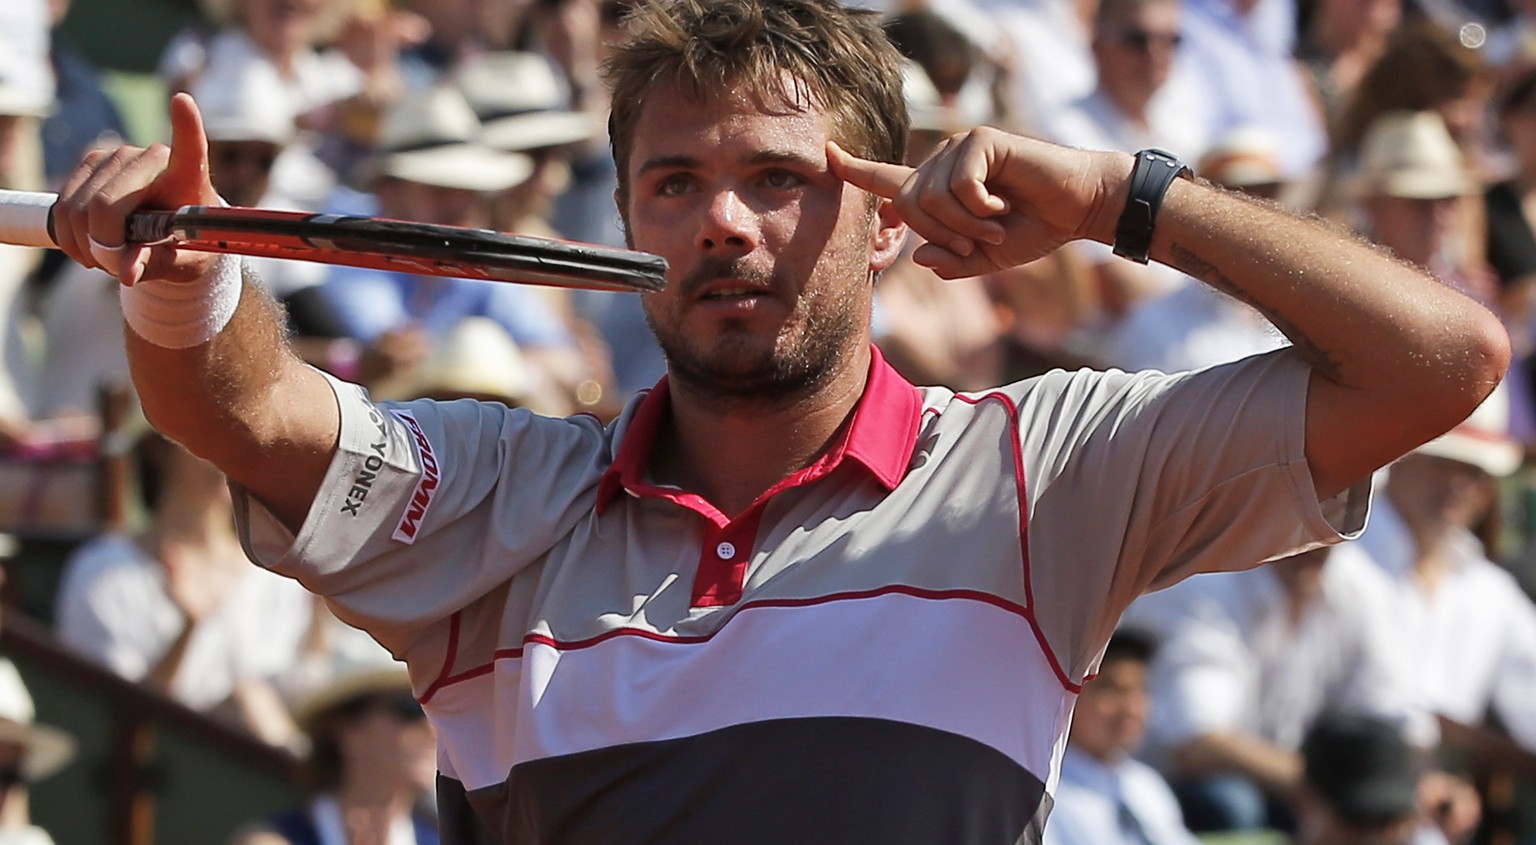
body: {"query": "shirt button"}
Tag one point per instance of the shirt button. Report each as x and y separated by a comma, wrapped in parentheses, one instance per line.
(725, 551)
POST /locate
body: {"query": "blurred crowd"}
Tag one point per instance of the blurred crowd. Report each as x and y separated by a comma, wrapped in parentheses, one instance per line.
(1368, 693)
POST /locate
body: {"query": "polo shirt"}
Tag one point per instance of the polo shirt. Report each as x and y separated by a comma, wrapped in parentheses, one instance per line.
(885, 646)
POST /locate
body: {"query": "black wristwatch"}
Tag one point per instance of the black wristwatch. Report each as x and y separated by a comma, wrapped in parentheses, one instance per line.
(1154, 171)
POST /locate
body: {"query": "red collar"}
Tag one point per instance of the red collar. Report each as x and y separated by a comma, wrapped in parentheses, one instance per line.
(880, 438)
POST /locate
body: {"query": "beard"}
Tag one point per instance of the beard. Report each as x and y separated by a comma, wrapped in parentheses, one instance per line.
(740, 367)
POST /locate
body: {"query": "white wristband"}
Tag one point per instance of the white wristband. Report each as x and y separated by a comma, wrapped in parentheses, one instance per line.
(180, 315)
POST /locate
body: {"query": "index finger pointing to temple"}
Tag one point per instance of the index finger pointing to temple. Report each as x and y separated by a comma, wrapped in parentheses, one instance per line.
(879, 178)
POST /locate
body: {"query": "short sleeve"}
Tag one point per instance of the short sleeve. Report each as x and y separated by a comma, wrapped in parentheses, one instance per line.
(1137, 481)
(427, 506)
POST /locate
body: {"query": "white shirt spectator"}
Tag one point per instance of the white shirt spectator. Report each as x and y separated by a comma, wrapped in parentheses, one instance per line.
(1251, 79)
(113, 606)
(1053, 65)
(1125, 803)
(1232, 660)
(1472, 640)
(1094, 122)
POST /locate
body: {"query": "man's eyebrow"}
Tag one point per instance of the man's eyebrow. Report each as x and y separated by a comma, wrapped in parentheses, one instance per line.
(686, 162)
(678, 162)
(788, 157)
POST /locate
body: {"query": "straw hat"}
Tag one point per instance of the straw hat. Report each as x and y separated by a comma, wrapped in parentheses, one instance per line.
(352, 680)
(48, 749)
(1482, 439)
(245, 101)
(1243, 158)
(520, 102)
(433, 137)
(479, 359)
(1412, 155)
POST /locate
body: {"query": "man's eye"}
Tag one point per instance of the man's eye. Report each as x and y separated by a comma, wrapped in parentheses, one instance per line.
(673, 186)
(781, 179)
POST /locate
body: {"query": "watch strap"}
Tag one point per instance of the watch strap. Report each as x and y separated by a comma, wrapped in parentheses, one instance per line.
(1151, 175)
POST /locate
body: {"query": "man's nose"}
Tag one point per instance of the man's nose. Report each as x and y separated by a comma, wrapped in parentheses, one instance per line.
(728, 224)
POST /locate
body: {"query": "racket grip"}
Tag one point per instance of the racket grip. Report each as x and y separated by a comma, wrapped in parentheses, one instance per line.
(25, 218)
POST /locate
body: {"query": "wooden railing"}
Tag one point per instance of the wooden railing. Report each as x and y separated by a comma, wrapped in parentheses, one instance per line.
(132, 777)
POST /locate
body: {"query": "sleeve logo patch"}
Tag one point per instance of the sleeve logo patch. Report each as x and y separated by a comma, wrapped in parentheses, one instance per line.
(426, 487)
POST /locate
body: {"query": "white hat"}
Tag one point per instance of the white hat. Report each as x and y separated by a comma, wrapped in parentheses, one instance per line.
(1412, 155)
(48, 749)
(520, 102)
(245, 101)
(1482, 439)
(1245, 157)
(432, 137)
(26, 79)
(477, 358)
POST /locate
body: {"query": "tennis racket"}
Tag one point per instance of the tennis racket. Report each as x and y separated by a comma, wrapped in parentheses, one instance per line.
(421, 248)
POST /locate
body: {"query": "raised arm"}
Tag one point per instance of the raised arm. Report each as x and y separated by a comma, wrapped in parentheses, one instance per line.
(1397, 357)
(240, 400)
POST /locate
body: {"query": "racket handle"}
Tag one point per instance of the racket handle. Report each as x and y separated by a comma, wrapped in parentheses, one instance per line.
(25, 218)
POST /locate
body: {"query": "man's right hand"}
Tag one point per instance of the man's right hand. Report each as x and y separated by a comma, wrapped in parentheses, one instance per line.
(90, 217)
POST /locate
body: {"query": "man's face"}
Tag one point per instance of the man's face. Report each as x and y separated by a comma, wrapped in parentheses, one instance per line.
(241, 170)
(1434, 493)
(771, 255)
(1413, 228)
(404, 200)
(1111, 715)
(1135, 51)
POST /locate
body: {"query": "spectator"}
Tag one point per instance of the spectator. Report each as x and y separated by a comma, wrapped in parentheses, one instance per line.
(1361, 784)
(1052, 64)
(1106, 796)
(1412, 182)
(1139, 100)
(1247, 660)
(179, 608)
(1135, 105)
(26, 95)
(1341, 41)
(371, 764)
(1241, 52)
(1467, 624)
(433, 168)
(29, 752)
(85, 117)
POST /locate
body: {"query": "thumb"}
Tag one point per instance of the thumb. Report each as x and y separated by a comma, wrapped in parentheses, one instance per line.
(185, 180)
(879, 178)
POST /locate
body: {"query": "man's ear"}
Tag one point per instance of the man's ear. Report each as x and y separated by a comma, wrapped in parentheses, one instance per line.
(889, 236)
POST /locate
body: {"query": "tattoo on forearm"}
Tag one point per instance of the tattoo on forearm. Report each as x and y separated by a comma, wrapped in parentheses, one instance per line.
(1318, 358)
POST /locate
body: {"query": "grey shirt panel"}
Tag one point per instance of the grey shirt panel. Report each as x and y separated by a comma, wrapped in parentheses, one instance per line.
(1136, 481)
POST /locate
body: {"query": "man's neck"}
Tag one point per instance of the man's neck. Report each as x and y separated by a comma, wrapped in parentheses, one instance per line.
(731, 453)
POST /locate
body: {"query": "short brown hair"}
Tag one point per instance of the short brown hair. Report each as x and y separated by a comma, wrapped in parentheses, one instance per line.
(840, 59)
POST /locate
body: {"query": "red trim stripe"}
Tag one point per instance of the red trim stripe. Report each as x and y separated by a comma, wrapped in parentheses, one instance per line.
(695, 639)
(1029, 589)
(443, 678)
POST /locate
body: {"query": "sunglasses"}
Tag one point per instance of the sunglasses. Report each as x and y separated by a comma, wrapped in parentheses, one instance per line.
(1143, 41)
(232, 155)
(10, 776)
(402, 706)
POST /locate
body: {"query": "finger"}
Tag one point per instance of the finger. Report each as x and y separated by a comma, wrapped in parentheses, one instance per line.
(934, 192)
(186, 173)
(879, 178)
(973, 164)
(68, 214)
(111, 204)
(948, 264)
